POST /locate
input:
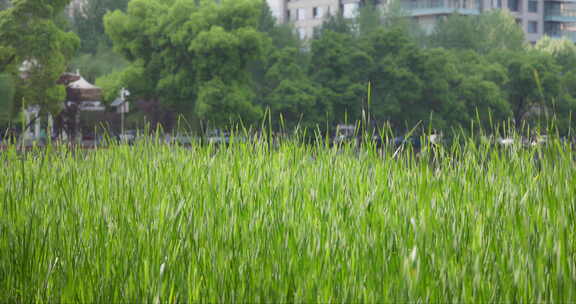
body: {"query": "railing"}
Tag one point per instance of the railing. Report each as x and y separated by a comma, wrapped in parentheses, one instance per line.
(412, 5)
(556, 10)
(439, 6)
(562, 34)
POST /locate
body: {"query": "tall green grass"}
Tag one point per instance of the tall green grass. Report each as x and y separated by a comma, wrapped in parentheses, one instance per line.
(252, 222)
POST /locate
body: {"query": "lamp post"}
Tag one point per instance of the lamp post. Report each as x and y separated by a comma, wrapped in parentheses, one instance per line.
(123, 108)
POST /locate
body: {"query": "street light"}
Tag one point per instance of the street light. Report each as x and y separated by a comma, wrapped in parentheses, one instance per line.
(125, 107)
(122, 107)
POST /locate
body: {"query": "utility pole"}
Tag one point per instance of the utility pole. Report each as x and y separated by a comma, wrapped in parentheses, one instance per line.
(124, 108)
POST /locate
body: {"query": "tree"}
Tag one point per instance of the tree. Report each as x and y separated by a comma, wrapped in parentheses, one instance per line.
(369, 19)
(7, 89)
(395, 86)
(95, 65)
(222, 103)
(7, 85)
(479, 84)
(564, 109)
(291, 95)
(463, 87)
(338, 64)
(490, 31)
(30, 35)
(564, 53)
(7, 57)
(335, 24)
(95, 56)
(437, 87)
(282, 35)
(188, 50)
(89, 25)
(534, 83)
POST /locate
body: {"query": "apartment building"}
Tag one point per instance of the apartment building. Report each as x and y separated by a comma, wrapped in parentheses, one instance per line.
(75, 6)
(560, 19)
(536, 17)
(308, 14)
(555, 18)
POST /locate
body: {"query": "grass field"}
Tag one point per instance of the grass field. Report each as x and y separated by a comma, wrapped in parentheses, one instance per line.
(298, 223)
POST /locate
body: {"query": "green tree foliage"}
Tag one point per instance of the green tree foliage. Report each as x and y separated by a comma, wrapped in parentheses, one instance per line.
(534, 82)
(564, 53)
(282, 35)
(477, 84)
(7, 57)
(280, 77)
(490, 31)
(89, 25)
(564, 108)
(29, 30)
(7, 89)
(291, 96)
(439, 87)
(133, 77)
(369, 19)
(223, 103)
(336, 24)
(338, 64)
(194, 54)
(92, 66)
(96, 57)
(225, 61)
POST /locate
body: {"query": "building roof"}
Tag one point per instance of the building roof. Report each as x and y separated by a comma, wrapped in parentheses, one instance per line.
(82, 84)
(82, 90)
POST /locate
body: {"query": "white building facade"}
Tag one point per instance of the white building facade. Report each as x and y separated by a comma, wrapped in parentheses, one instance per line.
(309, 14)
(554, 18)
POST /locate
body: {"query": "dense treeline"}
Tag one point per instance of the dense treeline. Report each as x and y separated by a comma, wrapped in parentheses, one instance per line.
(222, 63)
(35, 49)
(217, 63)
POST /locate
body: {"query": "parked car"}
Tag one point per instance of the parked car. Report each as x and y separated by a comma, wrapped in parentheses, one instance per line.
(344, 133)
(218, 136)
(127, 137)
(184, 140)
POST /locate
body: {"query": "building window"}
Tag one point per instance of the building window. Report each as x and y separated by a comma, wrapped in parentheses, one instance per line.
(532, 6)
(514, 5)
(287, 15)
(349, 10)
(300, 14)
(317, 12)
(533, 27)
(552, 28)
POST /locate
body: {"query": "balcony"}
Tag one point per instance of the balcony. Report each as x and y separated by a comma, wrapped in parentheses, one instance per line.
(570, 35)
(440, 7)
(557, 13)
